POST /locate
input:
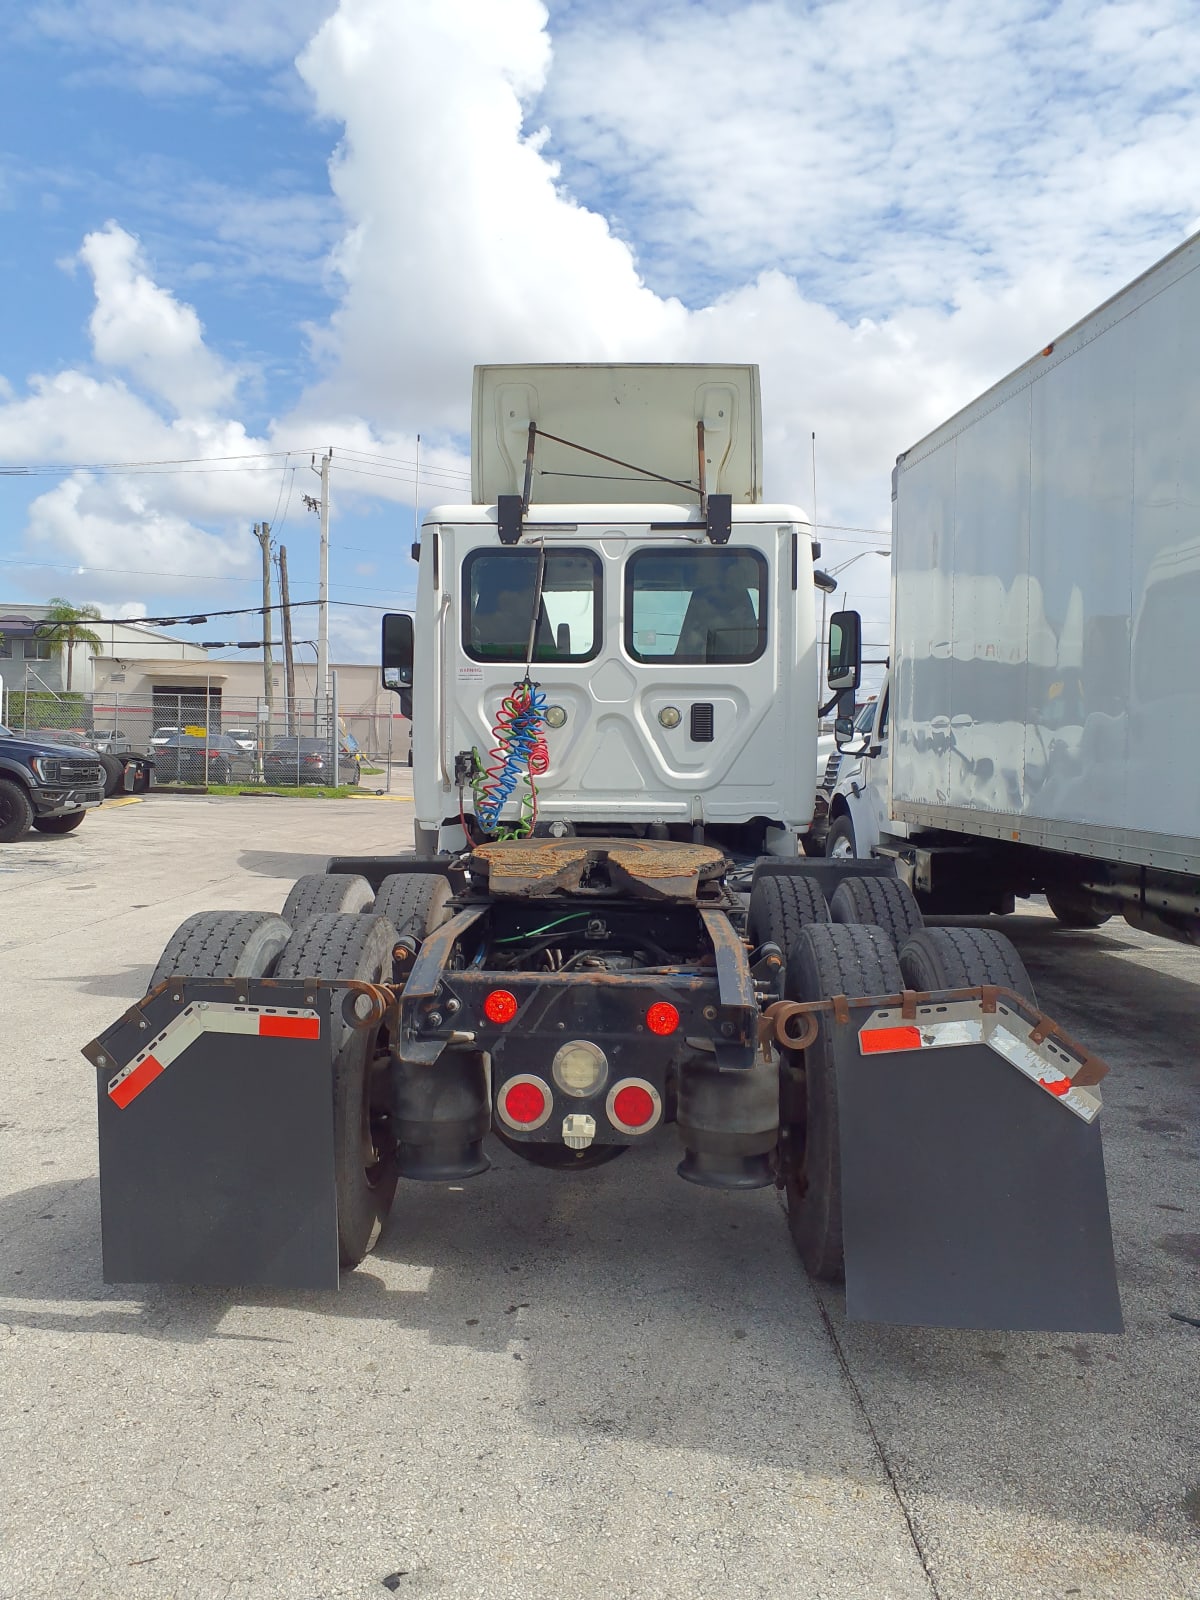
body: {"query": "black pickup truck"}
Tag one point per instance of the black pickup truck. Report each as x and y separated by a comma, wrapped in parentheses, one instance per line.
(44, 785)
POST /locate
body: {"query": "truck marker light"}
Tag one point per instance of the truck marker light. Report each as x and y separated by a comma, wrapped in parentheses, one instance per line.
(873, 1040)
(633, 1105)
(662, 1018)
(500, 1006)
(525, 1103)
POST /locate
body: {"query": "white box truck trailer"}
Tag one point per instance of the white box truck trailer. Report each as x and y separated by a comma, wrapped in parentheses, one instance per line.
(1040, 730)
(608, 926)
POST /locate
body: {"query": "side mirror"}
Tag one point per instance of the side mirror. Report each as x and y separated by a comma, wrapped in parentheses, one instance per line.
(844, 666)
(845, 717)
(398, 650)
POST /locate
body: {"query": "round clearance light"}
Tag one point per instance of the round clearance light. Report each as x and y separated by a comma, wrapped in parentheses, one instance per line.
(670, 716)
(525, 1103)
(580, 1068)
(500, 1006)
(662, 1018)
(633, 1105)
(556, 716)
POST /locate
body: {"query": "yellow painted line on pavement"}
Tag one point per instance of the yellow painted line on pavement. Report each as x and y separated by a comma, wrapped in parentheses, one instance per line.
(121, 800)
(401, 799)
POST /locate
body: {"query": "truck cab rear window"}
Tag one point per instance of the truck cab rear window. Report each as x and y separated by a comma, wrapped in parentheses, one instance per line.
(498, 595)
(696, 607)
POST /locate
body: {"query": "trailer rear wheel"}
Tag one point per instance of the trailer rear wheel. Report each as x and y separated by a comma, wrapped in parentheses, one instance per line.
(223, 944)
(822, 962)
(1075, 908)
(345, 945)
(560, 1157)
(964, 958)
(885, 902)
(319, 893)
(414, 902)
(780, 905)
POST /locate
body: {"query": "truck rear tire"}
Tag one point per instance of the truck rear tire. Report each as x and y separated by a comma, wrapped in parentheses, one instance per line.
(823, 961)
(840, 843)
(780, 906)
(341, 945)
(414, 902)
(964, 958)
(884, 902)
(319, 893)
(223, 944)
(67, 822)
(114, 772)
(1075, 908)
(16, 813)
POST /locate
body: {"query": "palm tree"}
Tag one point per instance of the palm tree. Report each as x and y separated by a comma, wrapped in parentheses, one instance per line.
(64, 628)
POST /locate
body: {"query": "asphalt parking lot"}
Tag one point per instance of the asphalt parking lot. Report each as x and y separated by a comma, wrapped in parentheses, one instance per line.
(604, 1384)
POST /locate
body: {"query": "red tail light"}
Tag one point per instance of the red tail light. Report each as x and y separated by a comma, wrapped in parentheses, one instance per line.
(500, 1006)
(662, 1018)
(633, 1105)
(525, 1103)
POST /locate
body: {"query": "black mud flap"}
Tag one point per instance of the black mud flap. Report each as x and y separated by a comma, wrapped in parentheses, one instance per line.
(216, 1137)
(973, 1190)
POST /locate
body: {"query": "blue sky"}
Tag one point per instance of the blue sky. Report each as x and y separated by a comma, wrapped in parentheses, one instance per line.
(264, 227)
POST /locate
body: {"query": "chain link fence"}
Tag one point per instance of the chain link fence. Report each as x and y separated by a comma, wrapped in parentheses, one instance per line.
(199, 737)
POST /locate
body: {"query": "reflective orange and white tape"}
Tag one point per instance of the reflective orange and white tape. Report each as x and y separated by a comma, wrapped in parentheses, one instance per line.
(1002, 1031)
(263, 1022)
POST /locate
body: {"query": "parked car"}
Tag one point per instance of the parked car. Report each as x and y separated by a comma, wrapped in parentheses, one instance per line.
(246, 737)
(45, 784)
(114, 767)
(191, 758)
(161, 736)
(111, 741)
(299, 760)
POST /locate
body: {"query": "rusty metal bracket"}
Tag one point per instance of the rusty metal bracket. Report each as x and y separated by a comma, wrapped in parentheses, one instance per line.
(779, 1023)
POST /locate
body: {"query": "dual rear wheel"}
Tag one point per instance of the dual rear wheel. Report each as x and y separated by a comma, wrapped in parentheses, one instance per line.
(332, 927)
(869, 939)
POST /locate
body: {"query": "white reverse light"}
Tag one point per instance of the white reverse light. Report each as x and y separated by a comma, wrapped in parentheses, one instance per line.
(579, 1068)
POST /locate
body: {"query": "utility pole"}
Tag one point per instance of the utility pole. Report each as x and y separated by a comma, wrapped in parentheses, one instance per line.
(323, 582)
(262, 532)
(289, 664)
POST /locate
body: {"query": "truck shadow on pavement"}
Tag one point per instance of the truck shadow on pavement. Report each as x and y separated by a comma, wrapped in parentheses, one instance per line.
(281, 864)
(642, 1308)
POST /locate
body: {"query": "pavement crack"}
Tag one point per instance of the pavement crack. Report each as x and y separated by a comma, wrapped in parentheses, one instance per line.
(893, 1482)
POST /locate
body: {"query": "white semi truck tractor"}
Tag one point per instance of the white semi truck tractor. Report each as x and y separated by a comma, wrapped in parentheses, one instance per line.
(607, 934)
(1040, 726)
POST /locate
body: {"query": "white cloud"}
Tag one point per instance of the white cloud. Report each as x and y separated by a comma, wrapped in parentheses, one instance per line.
(141, 328)
(459, 247)
(260, 33)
